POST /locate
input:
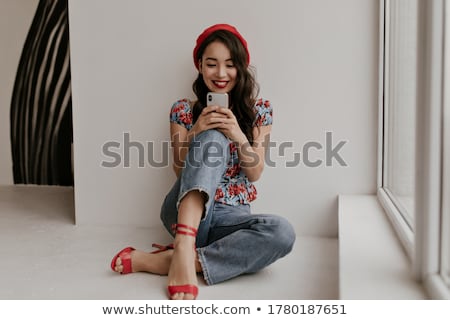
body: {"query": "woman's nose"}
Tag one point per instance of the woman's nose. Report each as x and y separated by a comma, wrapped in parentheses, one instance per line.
(222, 71)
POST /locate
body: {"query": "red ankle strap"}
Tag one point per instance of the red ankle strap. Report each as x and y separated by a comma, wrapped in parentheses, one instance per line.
(189, 232)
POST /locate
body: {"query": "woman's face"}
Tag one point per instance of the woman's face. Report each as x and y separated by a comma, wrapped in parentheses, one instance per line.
(217, 68)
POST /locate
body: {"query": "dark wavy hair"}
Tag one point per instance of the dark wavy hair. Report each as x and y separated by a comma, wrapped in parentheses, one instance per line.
(242, 97)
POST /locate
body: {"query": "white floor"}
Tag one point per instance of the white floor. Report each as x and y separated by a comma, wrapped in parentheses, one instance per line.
(45, 256)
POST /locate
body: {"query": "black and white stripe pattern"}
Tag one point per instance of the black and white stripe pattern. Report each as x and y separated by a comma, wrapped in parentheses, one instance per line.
(41, 104)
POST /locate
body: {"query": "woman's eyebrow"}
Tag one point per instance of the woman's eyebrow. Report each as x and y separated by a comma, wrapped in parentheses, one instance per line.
(214, 59)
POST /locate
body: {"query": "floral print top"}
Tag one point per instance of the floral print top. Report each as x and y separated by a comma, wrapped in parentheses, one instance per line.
(234, 188)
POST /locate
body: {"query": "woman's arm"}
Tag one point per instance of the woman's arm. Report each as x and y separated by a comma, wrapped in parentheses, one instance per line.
(180, 143)
(252, 158)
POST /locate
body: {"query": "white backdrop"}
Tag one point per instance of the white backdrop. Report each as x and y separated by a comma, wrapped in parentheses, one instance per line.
(316, 61)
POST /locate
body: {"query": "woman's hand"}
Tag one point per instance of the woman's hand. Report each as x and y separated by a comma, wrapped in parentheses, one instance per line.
(208, 119)
(230, 127)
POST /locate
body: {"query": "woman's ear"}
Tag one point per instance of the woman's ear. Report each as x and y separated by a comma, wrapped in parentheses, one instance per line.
(200, 66)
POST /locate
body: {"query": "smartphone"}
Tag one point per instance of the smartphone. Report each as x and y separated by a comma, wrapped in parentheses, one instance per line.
(217, 99)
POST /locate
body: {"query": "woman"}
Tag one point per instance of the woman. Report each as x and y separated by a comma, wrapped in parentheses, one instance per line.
(218, 154)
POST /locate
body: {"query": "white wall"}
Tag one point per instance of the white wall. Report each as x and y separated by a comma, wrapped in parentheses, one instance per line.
(316, 61)
(15, 20)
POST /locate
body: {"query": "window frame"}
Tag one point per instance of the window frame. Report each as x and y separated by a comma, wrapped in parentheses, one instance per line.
(394, 210)
(425, 245)
(445, 237)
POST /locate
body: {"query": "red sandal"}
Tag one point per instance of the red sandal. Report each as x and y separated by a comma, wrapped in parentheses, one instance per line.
(125, 256)
(186, 288)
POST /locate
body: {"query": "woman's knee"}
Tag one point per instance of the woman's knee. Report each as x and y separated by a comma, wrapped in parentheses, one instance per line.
(212, 136)
(210, 148)
(283, 234)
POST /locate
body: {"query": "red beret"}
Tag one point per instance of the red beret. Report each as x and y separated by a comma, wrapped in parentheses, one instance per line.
(216, 27)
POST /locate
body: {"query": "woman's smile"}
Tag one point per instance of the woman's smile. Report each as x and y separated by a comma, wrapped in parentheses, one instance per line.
(220, 84)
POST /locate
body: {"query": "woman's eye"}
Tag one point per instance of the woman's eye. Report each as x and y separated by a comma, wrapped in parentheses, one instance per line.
(230, 66)
(211, 65)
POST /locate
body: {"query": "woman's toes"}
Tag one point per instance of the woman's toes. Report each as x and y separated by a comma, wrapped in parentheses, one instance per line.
(182, 296)
(177, 296)
(118, 266)
(188, 297)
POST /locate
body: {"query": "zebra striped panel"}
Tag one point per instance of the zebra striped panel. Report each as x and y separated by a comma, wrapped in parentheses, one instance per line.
(41, 104)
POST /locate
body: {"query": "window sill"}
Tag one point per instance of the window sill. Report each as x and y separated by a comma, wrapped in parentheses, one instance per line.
(372, 262)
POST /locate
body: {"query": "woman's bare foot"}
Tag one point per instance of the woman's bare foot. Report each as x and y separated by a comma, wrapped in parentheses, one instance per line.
(184, 266)
(141, 261)
(158, 263)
